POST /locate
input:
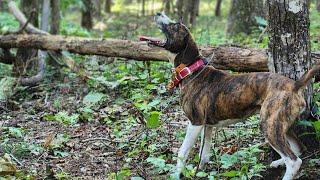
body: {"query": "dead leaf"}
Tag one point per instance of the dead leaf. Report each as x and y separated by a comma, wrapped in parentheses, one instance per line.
(7, 167)
(48, 140)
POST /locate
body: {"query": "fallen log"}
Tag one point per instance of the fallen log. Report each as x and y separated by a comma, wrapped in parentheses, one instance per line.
(223, 57)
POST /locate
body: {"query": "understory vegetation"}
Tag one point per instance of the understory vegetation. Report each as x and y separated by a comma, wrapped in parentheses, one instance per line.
(122, 123)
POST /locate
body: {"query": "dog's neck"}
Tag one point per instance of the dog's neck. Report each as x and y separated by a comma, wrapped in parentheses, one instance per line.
(189, 54)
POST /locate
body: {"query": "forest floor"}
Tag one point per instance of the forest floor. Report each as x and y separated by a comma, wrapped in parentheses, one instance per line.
(122, 124)
(48, 133)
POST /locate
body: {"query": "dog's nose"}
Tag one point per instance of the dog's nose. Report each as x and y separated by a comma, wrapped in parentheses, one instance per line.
(158, 14)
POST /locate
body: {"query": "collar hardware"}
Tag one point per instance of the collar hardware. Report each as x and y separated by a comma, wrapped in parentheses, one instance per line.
(182, 71)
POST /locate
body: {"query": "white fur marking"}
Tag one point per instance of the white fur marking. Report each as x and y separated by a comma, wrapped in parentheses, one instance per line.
(292, 166)
(162, 19)
(277, 163)
(188, 142)
(294, 146)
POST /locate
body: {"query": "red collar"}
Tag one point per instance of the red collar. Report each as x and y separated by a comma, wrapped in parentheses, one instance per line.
(182, 71)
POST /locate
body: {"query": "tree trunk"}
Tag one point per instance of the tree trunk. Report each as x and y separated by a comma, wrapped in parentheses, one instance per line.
(97, 8)
(55, 17)
(194, 11)
(143, 4)
(190, 10)
(26, 58)
(87, 14)
(318, 5)
(217, 11)
(107, 6)
(166, 5)
(45, 14)
(242, 16)
(289, 40)
(179, 6)
(231, 58)
(289, 52)
(1, 5)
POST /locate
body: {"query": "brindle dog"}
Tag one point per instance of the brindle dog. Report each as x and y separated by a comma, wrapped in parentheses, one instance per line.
(213, 98)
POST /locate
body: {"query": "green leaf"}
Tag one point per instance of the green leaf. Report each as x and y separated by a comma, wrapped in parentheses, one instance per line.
(244, 169)
(316, 126)
(305, 123)
(153, 120)
(261, 21)
(60, 153)
(230, 174)
(228, 160)
(49, 117)
(92, 98)
(201, 174)
(137, 178)
(16, 132)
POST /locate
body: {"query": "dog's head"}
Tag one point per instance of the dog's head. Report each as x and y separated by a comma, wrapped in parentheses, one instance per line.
(178, 39)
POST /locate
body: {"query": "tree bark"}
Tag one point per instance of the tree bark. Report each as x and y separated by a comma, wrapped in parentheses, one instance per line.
(166, 5)
(55, 17)
(224, 57)
(290, 53)
(107, 6)
(194, 11)
(217, 11)
(289, 40)
(1, 5)
(25, 57)
(45, 14)
(190, 11)
(242, 16)
(179, 6)
(143, 4)
(318, 5)
(87, 14)
(6, 57)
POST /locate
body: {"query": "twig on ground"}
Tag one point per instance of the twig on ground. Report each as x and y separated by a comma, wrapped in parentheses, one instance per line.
(16, 160)
(310, 155)
(99, 139)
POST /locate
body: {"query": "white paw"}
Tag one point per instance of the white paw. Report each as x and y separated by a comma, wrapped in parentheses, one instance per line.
(277, 163)
(292, 168)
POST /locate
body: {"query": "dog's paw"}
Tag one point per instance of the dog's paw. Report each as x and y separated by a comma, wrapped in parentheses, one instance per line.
(277, 163)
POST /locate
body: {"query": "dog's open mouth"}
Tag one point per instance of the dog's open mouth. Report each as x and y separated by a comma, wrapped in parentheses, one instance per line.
(152, 40)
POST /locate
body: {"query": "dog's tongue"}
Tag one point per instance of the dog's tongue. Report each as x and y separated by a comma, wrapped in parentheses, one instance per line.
(152, 40)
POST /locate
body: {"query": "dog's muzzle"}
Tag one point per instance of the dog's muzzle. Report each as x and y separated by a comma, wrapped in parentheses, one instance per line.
(162, 20)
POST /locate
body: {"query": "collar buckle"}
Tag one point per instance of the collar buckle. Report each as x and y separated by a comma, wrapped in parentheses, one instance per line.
(184, 72)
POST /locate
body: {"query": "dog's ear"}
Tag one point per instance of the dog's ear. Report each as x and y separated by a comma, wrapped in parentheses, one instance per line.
(181, 20)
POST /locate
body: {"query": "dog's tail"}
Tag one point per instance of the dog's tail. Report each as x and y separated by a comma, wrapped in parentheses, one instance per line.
(305, 79)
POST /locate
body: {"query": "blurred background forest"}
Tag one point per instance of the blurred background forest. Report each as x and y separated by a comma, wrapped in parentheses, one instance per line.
(68, 116)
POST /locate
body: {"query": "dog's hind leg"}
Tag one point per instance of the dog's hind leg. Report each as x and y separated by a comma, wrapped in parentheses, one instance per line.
(291, 161)
(276, 135)
(204, 152)
(294, 145)
(188, 142)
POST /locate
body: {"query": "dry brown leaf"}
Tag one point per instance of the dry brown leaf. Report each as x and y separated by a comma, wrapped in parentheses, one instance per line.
(48, 140)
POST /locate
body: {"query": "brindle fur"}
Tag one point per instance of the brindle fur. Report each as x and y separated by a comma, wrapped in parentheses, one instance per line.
(211, 96)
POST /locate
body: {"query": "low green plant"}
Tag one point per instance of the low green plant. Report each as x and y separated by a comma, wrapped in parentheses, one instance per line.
(63, 117)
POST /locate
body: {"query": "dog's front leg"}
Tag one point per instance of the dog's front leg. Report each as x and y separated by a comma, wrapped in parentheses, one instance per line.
(204, 152)
(188, 142)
